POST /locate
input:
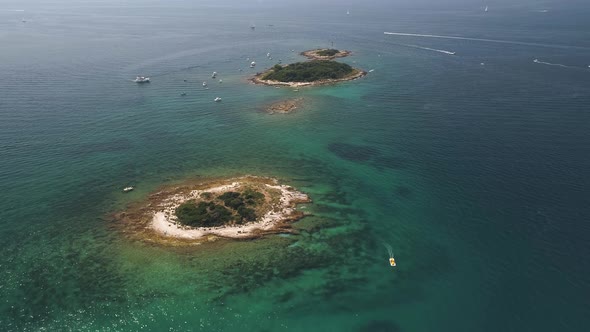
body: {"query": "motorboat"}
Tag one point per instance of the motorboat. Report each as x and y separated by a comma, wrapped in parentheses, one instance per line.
(128, 189)
(253, 64)
(214, 74)
(141, 79)
(204, 83)
(217, 99)
(220, 81)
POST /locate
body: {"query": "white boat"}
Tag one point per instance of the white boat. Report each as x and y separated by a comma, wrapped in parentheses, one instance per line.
(214, 74)
(253, 64)
(217, 99)
(268, 55)
(220, 81)
(204, 83)
(486, 10)
(127, 189)
(348, 12)
(141, 79)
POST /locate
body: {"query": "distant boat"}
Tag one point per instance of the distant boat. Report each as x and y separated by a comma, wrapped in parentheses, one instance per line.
(183, 94)
(252, 26)
(141, 79)
(204, 83)
(127, 189)
(214, 74)
(268, 55)
(217, 99)
(486, 9)
(220, 81)
(253, 64)
(372, 70)
(348, 12)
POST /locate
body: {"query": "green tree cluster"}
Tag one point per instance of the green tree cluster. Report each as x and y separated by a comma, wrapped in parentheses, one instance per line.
(231, 206)
(203, 214)
(310, 71)
(328, 52)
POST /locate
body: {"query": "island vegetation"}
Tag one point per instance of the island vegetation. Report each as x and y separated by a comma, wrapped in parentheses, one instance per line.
(309, 71)
(228, 208)
(328, 52)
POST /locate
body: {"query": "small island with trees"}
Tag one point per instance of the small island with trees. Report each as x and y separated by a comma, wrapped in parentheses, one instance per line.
(325, 54)
(308, 73)
(244, 207)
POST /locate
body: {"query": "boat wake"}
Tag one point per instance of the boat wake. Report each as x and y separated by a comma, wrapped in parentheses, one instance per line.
(429, 49)
(551, 64)
(487, 40)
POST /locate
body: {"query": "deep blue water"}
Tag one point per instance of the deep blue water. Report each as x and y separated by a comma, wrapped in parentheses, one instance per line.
(472, 166)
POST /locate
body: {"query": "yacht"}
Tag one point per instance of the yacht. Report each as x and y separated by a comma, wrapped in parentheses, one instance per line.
(141, 79)
(128, 189)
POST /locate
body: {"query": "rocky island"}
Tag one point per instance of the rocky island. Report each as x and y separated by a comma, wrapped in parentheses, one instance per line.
(244, 207)
(325, 54)
(284, 106)
(309, 73)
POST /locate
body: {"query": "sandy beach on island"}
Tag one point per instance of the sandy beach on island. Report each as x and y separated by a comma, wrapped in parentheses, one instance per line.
(164, 220)
(355, 75)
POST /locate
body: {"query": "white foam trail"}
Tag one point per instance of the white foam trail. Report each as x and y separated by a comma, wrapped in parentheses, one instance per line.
(485, 40)
(551, 64)
(14, 10)
(429, 49)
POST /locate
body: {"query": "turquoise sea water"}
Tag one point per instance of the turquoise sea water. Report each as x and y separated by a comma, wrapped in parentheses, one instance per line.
(475, 174)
